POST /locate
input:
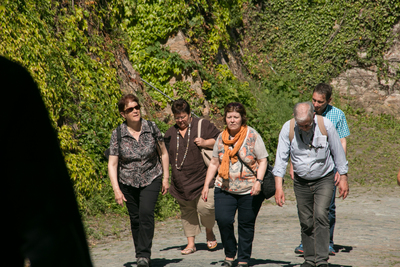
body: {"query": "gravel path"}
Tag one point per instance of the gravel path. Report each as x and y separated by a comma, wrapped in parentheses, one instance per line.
(367, 234)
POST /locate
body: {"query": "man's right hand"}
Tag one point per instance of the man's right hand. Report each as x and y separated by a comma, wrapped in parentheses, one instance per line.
(343, 186)
(279, 197)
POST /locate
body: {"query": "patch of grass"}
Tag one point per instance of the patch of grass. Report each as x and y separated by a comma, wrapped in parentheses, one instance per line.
(166, 207)
(105, 227)
(373, 149)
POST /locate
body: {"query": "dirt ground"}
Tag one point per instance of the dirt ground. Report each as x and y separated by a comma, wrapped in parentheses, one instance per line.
(367, 233)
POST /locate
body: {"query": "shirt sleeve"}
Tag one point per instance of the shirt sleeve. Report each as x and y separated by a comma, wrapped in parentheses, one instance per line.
(114, 144)
(158, 135)
(283, 151)
(208, 130)
(259, 148)
(215, 149)
(342, 127)
(336, 148)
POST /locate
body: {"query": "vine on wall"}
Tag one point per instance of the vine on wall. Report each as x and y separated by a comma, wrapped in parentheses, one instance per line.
(70, 61)
(287, 46)
(317, 40)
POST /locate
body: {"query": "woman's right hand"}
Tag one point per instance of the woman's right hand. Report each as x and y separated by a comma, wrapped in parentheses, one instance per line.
(204, 194)
(119, 197)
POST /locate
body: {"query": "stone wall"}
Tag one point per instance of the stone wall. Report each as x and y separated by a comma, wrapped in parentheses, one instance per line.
(364, 89)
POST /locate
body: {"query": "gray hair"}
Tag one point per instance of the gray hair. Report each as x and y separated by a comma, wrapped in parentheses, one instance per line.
(303, 111)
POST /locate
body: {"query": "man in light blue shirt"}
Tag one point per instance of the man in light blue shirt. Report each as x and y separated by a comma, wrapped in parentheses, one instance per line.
(314, 157)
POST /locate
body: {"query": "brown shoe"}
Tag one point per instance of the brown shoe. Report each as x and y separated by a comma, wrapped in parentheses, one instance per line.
(211, 244)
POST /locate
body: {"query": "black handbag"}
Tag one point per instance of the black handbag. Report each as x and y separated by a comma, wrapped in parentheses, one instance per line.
(268, 186)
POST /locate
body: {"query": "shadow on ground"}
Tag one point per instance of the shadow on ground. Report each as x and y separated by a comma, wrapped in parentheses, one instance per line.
(255, 262)
(156, 262)
(340, 248)
(199, 246)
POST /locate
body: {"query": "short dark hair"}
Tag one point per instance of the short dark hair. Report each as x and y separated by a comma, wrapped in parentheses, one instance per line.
(323, 89)
(179, 106)
(239, 108)
(125, 100)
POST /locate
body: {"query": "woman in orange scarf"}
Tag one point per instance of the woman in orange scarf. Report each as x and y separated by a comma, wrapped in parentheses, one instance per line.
(236, 187)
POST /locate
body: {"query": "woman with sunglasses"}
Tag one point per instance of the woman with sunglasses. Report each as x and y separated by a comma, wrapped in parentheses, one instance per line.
(137, 173)
(189, 173)
(236, 187)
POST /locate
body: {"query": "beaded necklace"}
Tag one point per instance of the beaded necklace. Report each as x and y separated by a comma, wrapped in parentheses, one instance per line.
(177, 149)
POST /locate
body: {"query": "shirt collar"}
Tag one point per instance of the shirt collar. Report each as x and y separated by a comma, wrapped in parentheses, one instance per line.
(327, 109)
(145, 127)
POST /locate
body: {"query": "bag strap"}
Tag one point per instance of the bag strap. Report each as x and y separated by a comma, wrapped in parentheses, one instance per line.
(321, 126)
(153, 133)
(118, 143)
(199, 128)
(269, 167)
(291, 130)
(244, 163)
(119, 137)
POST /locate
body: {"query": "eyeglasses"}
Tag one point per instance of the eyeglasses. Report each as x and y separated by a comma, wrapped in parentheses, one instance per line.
(129, 110)
(181, 118)
(305, 126)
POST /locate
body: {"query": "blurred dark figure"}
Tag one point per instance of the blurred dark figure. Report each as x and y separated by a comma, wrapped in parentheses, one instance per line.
(41, 221)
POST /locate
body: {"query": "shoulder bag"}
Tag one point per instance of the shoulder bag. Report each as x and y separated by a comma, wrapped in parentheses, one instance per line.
(206, 153)
(268, 185)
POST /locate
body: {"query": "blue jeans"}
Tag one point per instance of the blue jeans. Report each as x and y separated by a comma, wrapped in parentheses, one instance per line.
(313, 200)
(247, 206)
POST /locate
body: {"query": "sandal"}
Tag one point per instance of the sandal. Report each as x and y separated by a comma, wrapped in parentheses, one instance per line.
(227, 263)
(188, 251)
(211, 244)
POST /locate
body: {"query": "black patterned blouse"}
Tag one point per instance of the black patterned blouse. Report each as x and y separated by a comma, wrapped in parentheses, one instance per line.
(139, 163)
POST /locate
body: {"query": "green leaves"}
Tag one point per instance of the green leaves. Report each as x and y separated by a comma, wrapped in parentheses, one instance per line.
(316, 39)
(78, 85)
(287, 47)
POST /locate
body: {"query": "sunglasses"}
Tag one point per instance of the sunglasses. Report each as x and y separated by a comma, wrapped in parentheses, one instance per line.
(129, 110)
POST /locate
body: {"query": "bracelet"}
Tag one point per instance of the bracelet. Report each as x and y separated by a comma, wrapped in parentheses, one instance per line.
(260, 181)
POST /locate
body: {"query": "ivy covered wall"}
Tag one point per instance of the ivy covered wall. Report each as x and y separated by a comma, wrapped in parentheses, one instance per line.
(285, 47)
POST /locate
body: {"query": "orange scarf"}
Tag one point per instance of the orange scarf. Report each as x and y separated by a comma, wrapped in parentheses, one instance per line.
(230, 155)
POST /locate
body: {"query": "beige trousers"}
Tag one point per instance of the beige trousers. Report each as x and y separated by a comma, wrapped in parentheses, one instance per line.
(192, 210)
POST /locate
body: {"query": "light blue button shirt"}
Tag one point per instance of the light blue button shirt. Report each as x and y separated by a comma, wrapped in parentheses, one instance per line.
(314, 162)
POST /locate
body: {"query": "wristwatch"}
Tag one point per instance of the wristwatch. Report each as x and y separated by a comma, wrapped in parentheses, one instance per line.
(261, 181)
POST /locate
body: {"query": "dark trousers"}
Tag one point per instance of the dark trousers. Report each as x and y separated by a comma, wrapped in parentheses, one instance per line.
(247, 206)
(313, 201)
(141, 203)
